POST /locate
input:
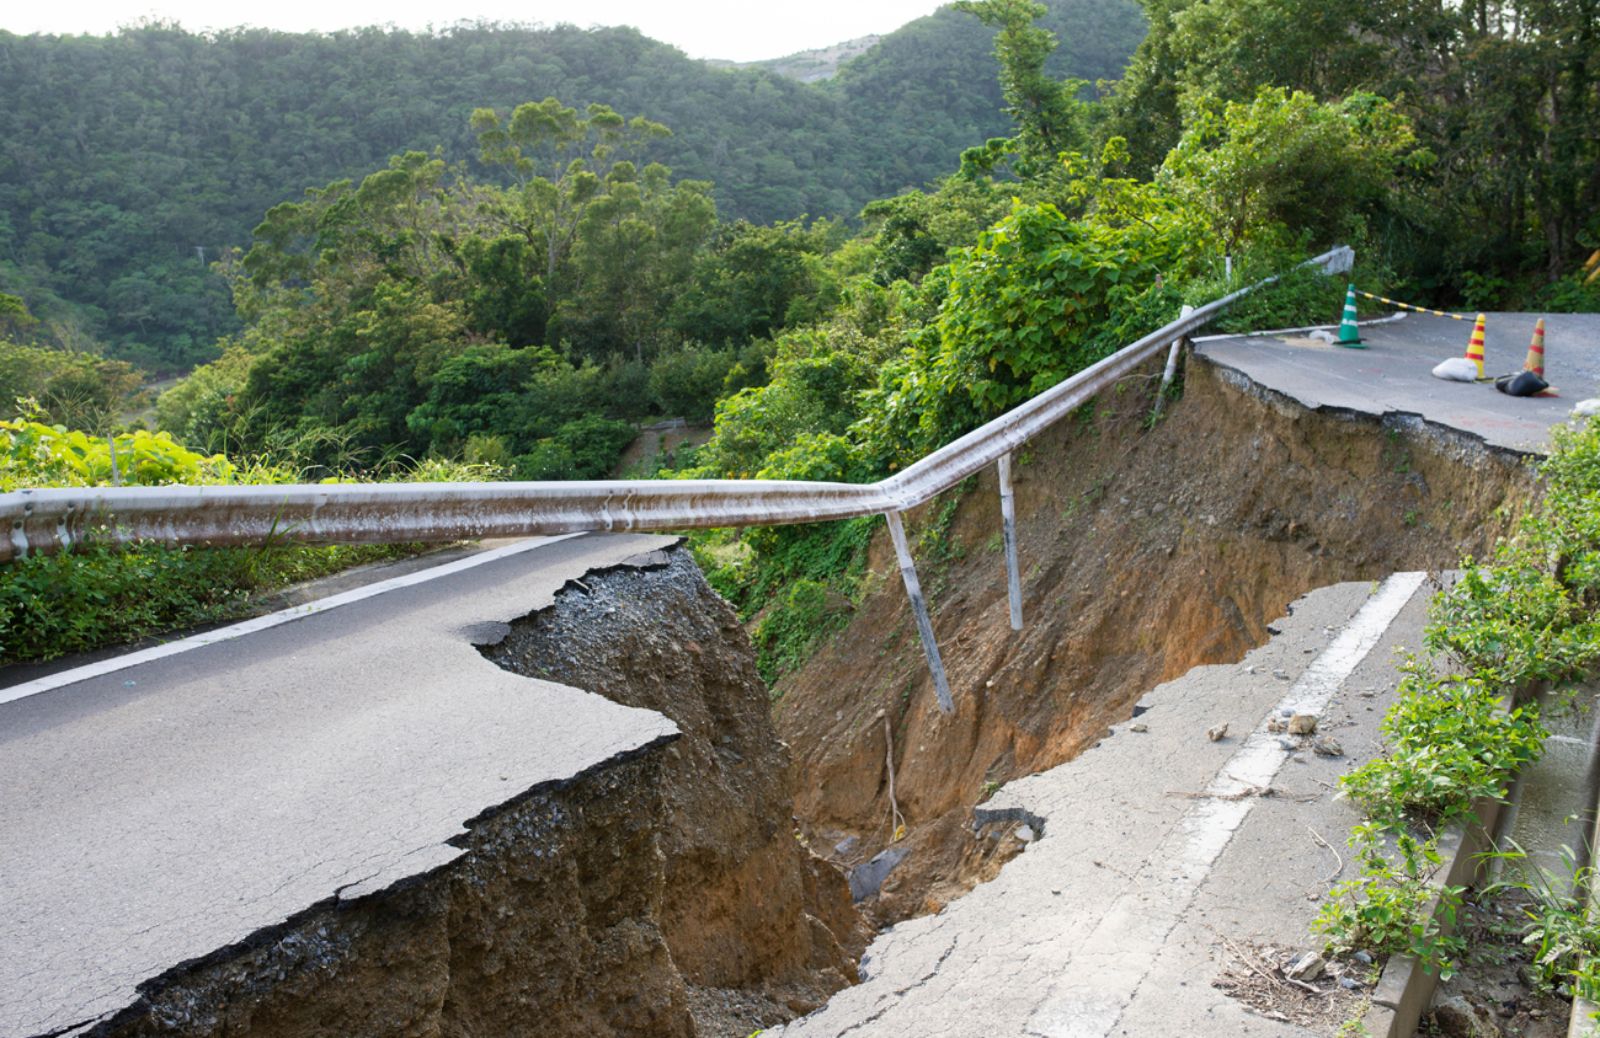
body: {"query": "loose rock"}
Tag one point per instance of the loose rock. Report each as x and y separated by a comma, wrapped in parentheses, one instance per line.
(1140, 727)
(1327, 746)
(1218, 732)
(1458, 1018)
(1302, 724)
(1307, 967)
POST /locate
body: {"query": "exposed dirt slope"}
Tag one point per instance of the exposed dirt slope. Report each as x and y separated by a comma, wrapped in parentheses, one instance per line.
(756, 926)
(1144, 552)
(660, 894)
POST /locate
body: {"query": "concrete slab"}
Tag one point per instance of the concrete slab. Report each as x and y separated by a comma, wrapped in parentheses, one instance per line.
(161, 813)
(1153, 843)
(1392, 374)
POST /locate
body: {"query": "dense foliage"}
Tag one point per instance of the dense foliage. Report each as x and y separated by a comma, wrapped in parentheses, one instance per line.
(522, 283)
(89, 598)
(130, 162)
(1504, 100)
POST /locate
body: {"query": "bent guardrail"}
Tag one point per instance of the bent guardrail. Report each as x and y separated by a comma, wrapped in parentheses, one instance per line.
(49, 520)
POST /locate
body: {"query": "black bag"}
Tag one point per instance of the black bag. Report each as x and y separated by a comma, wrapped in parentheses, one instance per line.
(1523, 383)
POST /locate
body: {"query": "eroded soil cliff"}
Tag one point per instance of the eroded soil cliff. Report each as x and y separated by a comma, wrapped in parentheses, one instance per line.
(660, 894)
(1144, 552)
(746, 911)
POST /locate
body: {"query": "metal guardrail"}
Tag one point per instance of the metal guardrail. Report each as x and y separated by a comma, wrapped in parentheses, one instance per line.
(49, 520)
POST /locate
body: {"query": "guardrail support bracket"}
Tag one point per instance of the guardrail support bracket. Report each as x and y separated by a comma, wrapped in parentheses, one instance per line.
(919, 606)
(1172, 362)
(1008, 521)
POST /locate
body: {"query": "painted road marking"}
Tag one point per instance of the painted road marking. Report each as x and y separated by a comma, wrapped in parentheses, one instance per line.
(1119, 954)
(262, 623)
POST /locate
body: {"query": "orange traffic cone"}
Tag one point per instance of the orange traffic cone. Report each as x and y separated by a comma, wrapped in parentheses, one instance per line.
(1468, 368)
(1475, 345)
(1535, 361)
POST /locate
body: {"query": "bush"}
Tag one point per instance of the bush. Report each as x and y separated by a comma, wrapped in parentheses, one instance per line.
(97, 595)
(1389, 909)
(687, 383)
(1449, 743)
(802, 617)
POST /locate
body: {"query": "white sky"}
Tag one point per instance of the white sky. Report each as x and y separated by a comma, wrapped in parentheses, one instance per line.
(739, 30)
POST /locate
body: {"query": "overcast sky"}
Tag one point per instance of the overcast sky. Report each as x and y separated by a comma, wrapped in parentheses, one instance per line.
(740, 30)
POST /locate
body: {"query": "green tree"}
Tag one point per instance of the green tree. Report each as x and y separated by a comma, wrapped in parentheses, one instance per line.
(1284, 165)
(1049, 117)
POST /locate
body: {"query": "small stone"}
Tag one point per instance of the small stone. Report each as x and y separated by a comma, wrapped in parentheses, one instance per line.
(1139, 727)
(1458, 1018)
(1024, 833)
(1251, 669)
(1214, 734)
(1307, 967)
(1327, 746)
(1288, 744)
(1302, 724)
(1350, 983)
(1276, 725)
(1281, 675)
(1365, 958)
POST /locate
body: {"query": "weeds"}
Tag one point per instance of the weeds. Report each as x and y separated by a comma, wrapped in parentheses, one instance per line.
(1390, 909)
(1563, 937)
(1449, 743)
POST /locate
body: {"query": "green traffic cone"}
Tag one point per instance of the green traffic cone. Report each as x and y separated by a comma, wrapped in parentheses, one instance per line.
(1349, 334)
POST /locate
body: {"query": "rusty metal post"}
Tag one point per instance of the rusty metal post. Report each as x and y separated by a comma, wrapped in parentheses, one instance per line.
(1172, 362)
(1008, 522)
(919, 606)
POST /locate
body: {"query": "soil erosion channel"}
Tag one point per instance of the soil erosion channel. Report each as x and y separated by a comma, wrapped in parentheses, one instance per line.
(1144, 552)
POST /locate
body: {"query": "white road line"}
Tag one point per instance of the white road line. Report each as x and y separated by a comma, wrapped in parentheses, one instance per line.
(262, 623)
(1122, 949)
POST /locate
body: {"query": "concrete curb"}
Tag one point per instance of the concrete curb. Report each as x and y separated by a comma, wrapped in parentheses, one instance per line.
(1404, 990)
(1585, 1019)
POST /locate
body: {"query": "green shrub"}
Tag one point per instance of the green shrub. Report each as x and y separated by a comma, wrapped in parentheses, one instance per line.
(1389, 909)
(1448, 743)
(808, 612)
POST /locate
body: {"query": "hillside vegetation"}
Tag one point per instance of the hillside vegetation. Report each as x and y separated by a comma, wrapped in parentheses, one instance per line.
(527, 308)
(128, 163)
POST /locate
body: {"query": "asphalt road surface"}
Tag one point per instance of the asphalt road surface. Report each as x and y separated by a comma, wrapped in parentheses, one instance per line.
(1392, 374)
(157, 813)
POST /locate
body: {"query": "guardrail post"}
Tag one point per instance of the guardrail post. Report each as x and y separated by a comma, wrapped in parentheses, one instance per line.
(1172, 362)
(1008, 523)
(919, 606)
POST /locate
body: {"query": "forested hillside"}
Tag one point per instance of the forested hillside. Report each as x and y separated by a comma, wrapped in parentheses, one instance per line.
(129, 162)
(535, 281)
